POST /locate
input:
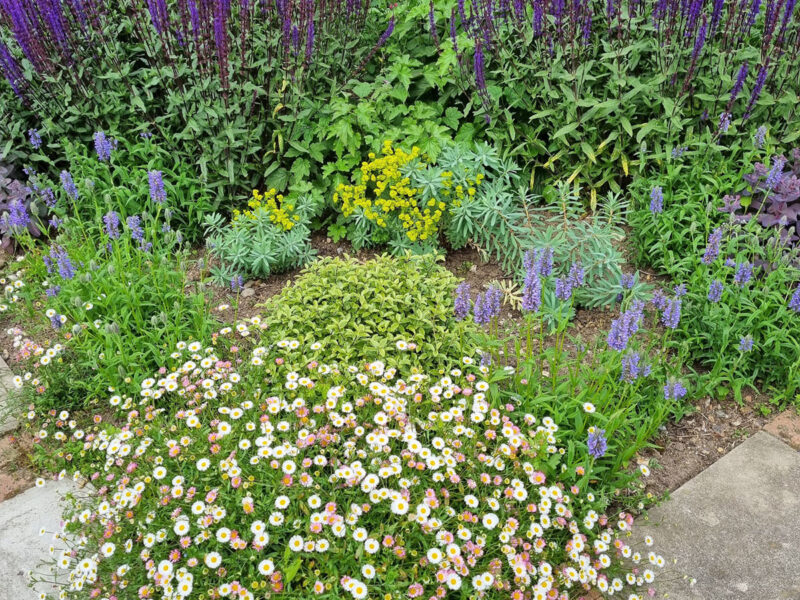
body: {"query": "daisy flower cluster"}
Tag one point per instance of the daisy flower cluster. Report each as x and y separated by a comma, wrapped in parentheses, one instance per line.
(247, 476)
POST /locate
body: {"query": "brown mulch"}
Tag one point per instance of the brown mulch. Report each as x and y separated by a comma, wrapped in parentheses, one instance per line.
(16, 472)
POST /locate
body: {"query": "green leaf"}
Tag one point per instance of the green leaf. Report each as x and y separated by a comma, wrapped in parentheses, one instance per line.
(566, 129)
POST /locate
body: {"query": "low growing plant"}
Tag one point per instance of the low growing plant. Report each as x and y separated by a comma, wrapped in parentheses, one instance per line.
(302, 479)
(356, 311)
(611, 394)
(271, 236)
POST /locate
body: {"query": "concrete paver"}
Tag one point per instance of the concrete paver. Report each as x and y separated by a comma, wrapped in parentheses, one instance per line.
(735, 528)
(22, 549)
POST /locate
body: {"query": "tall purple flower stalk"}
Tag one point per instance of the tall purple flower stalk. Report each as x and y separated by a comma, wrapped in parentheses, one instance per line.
(597, 443)
(761, 78)
(480, 75)
(103, 146)
(712, 249)
(69, 185)
(744, 271)
(656, 200)
(134, 223)
(111, 221)
(432, 24)
(775, 174)
(625, 327)
(34, 138)
(794, 301)
(462, 303)
(715, 291)
(18, 214)
(674, 390)
(12, 71)
(672, 313)
(157, 192)
(741, 76)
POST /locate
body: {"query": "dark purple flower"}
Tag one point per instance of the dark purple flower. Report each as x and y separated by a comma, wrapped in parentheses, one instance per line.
(69, 185)
(157, 192)
(739, 83)
(712, 249)
(159, 15)
(432, 24)
(680, 290)
(55, 322)
(715, 291)
(34, 138)
(53, 291)
(480, 77)
(237, 283)
(761, 78)
(699, 41)
(597, 443)
(309, 40)
(462, 302)
(656, 200)
(11, 69)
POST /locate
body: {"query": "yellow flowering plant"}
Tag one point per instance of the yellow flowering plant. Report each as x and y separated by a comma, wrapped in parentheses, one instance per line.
(403, 198)
(280, 211)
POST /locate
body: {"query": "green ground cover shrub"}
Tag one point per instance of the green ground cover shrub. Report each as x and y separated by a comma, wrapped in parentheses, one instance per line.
(356, 311)
(307, 479)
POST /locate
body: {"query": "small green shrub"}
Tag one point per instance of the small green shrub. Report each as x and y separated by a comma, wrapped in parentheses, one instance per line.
(362, 311)
(272, 237)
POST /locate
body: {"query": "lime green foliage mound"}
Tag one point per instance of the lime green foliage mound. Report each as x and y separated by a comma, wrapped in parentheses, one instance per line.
(362, 311)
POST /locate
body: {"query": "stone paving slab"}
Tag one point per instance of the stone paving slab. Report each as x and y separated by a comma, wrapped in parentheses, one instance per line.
(735, 528)
(22, 549)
